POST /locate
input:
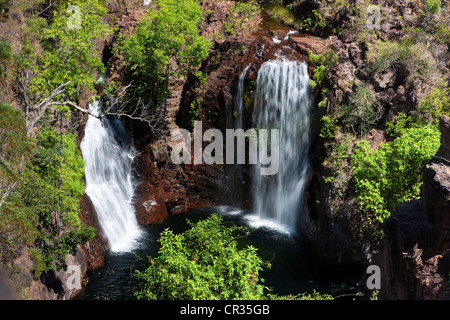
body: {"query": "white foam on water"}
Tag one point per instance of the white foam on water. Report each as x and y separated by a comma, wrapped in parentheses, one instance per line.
(109, 182)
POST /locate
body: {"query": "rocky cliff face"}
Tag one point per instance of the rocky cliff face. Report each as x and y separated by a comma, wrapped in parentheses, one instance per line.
(414, 255)
(335, 223)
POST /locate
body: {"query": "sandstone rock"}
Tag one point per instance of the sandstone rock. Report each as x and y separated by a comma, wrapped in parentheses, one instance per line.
(348, 36)
(94, 249)
(340, 48)
(355, 54)
(6, 291)
(52, 285)
(150, 196)
(436, 177)
(71, 279)
(385, 79)
(436, 193)
(304, 45)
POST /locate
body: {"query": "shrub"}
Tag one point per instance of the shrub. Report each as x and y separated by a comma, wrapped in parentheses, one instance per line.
(383, 55)
(322, 64)
(436, 103)
(360, 113)
(392, 174)
(415, 57)
(202, 263)
(327, 127)
(433, 6)
(5, 55)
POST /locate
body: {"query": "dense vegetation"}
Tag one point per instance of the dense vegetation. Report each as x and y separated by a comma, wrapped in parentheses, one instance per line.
(379, 176)
(41, 165)
(42, 205)
(392, 174)
(205, 263)
(167, 42)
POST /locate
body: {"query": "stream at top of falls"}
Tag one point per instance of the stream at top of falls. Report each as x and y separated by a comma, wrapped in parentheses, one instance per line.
(294, 267)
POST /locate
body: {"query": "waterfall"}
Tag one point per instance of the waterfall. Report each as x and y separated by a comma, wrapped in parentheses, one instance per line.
(282, 101)
(240, 98)
(234, 120)
(108, 173)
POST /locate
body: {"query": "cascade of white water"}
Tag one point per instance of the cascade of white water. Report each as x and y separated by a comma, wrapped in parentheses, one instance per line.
(234, 120)
(240, 98)
(282, 101)
(109, 182)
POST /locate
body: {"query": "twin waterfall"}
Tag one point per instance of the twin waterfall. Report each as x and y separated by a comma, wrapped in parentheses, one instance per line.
(109, 184)
(281, 102)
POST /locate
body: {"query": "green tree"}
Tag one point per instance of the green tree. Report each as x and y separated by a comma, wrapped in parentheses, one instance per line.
(55, 208)
(433, 6)
(322, 64)
(392, 174)
(436, 103)
(202, 263)
(52, 75)
(14, 149)
(5, 55)
(17, 222)
(239, 17)
(70, 46)
(327, 127)
(48, 163)
(170, 34)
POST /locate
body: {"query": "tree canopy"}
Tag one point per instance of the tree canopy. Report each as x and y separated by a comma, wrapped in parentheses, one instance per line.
(202, 263)
(167, 41)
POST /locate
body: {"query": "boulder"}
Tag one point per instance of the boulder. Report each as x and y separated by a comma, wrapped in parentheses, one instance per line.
(348, 36)
(385, 79)
(307, 44)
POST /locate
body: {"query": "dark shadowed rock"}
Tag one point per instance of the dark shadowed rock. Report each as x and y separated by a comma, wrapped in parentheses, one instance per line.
(94, 249)
(444, 150)
(150, 197)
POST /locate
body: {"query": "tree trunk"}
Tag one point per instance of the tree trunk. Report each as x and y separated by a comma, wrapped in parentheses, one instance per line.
(60, 182)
